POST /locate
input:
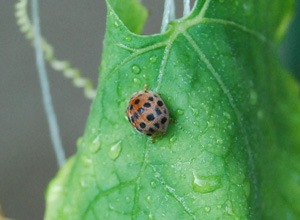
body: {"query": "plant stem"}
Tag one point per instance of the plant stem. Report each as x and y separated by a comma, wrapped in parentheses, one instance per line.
(53, 125)
(186, 7)
(169, 14)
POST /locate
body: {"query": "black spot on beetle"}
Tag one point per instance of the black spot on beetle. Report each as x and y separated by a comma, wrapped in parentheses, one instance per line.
(136, 115)
(163, 120)
(131, 107)
(165, 111)
(158, 112)
(137, 101)
(132, 119)
(149, 134)
(155, 96)
(151, 130)
(147, 105)
(141, 110)
(150, 98)
(160, 103)
(142, 125)
(150, 117)
(140, 95)
(128, 118)
(156, 125)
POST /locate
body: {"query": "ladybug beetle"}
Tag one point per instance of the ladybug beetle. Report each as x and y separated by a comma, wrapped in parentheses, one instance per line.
(148, 113)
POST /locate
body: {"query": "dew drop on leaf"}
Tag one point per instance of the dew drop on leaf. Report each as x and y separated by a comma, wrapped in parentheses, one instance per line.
(83, 183)
(194, 111)
(87, 161)
(219, 141)
(115, 150)
(136, 69)
(196, 124)
(180, 112)
(137, 81)
(149, 199)
(173, 139)
(153, 59)
(210, 124)
(207, 209)
(116, 24)
(95, 145)
(227, 115)
(182, 176)
(228, 207)
(151, 216)
(128, 39)
(153, 184)
(206, 184)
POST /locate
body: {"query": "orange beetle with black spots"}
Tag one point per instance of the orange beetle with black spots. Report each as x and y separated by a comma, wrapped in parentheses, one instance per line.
(148, 113)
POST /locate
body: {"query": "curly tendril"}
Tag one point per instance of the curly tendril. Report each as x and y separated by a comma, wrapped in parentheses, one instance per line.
(26, 27)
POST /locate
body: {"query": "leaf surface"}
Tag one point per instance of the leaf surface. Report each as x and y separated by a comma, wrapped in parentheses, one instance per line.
(233, 151)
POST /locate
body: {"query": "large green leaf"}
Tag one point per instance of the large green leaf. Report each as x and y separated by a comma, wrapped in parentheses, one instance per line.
(233, 152)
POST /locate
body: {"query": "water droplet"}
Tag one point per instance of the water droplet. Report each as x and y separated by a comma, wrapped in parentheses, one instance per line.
(253, 97)
(149, 198)
(195, 111)
(207, 209)
(128, 39)
(83, 183)
(229, 208)
(182, 176)
(116, 24)
(115, 150)
(227, 115)
(210, 124)
(180, 112)
(172, 139)
(153, 184)
(206, 184)
(196, 124)
(151, 216)
(136, 69)
(137, 81)
(95, 145)
(219, 141)
(87, 161)
(127, 199)
(153, 59)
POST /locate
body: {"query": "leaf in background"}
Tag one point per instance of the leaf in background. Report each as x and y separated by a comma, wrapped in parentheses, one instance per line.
(233, 152)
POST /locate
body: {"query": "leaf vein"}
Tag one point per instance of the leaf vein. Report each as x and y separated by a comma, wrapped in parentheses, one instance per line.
(138, 183)
(232, 105)
(172, 192)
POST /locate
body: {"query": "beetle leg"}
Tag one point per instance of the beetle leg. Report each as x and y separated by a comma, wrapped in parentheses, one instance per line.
(153, 139)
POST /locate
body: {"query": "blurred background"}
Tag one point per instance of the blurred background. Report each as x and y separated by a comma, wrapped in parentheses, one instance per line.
(76, 30)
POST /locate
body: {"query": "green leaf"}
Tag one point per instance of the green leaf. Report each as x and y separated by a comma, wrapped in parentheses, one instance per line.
(233, 152)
